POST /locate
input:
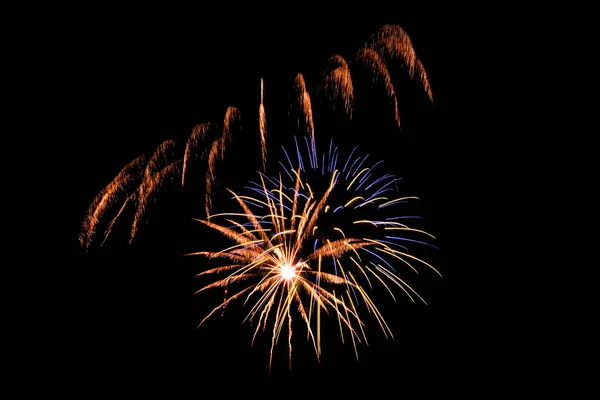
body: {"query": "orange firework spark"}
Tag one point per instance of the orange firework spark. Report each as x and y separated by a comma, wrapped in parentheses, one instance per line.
(304, 103)
(373, 60)
(392, 41)
(198, 137)
(139, 184)
(107, 197)
(338, 82)
(153, 178)
(262, 126)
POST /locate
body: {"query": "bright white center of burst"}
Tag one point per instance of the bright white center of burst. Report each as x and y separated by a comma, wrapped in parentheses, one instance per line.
(287, 272)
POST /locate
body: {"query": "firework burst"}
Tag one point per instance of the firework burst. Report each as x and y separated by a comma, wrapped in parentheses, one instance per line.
(317, 239)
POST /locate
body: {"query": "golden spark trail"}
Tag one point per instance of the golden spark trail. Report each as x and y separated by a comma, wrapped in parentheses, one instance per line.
(106, 198)
(262, 125)
(303, 100)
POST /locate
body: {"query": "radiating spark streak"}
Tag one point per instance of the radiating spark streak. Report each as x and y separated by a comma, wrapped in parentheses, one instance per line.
(283, 233)
(338, 314)
(360, 164)
(400, 283)
(370, 201)
(383, 250)
(237, 246)
(348, 317)
(404, 254)
(366, 177)
(396, 201)
(363, 180)
(335, 159)
(355, 177)
(221, 214)
(262, 125)
(373, 166)
(350, 170)
(254, 203)
(349, 157)
(364, 221)
(384, 326)
(310, 157)
(352, 201)
(288, 157)
(263, 176)
(393, 244)
(112, 222)
(331, 161)
(300, 164)
(411, 240)
(285, 170)
(387, 223)
(380, 180)
(254, 200)
(353, 249)
(360, 268)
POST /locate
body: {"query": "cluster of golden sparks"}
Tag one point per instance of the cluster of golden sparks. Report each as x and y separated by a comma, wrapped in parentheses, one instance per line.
(289, 254)
(293, 254)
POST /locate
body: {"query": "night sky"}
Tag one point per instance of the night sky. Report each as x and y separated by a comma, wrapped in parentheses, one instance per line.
(127, 313)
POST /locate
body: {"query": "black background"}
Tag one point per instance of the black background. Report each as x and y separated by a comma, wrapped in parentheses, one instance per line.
(124, 316)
